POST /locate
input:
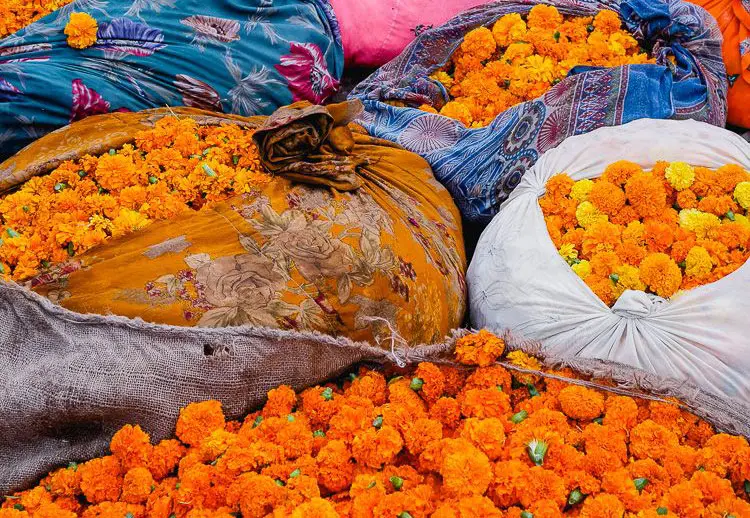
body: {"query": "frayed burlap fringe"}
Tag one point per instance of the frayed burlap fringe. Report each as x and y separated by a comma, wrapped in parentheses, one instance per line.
(69, 381)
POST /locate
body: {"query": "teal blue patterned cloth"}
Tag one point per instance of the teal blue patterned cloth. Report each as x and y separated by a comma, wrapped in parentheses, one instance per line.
(240, 56)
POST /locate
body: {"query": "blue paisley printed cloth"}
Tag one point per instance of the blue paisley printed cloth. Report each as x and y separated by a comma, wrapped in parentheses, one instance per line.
(240, 56)
(482, 166)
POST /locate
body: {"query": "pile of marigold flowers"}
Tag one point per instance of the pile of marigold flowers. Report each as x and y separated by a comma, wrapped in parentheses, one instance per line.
(672, 228)
(433, 440)
(170, 168)
(521, 57)
(17, 14)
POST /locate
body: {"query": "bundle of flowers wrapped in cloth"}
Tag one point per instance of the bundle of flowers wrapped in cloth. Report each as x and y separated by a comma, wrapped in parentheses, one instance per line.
(476, 437)
(641, 259)
(179, 223)
(88, 57)
(574, 67)
(733, 17)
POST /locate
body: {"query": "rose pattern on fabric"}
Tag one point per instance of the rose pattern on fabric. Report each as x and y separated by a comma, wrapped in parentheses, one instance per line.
(305, 70)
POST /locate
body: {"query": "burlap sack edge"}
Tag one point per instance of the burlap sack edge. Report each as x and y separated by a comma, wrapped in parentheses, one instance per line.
(725, 413)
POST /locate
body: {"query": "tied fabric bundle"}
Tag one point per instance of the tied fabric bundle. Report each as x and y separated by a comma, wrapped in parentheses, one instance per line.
(154, 54)
(482, 166)
(733, 17)
(518, 280)
(350, 236)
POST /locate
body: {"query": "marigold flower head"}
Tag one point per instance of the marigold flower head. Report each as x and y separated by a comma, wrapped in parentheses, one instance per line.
(480, 43)
(680, 175)
(607, 197)
(608, 22)
(482, 348)
(544, 17)
(587, 215)
(661, 274)
(101, 479)
(466, 472)
(581, 403)
(582, 269)
(646, 194)
(458, 111)
(131, 446)
(137, 486)
(81, 30)
(698, 262)
(698, 222)
(581, 190)
(508, 29)
(198, 420)
(742, 194)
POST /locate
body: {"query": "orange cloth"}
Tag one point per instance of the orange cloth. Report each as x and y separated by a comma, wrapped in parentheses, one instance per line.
(733, 17)
(383, 252)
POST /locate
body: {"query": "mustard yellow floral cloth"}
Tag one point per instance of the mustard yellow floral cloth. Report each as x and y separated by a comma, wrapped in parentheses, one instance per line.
(353, 237)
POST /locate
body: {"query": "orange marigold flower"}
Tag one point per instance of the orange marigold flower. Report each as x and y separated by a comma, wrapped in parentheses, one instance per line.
(605, 263)
(631, 253)
(315, 508)
(198, 420)
(53, 511)
(164, 458)
(433, 381)
(466, 472)
(607, 22)
(658, 236)
(137, 486)
(488, 435)
(718, 205)
(620, 412)
(335, 467)
(447, 411)
(687, 200)
(559, 186)
(607, 197)
(254, 495)
(620, 172)
(544, 17)
(113, 509)
(660, 273)
(684, 500)
(651, 440)
(484, 403)
(370, 385)
(482, 348)
(375, 447)
(281, 402)
(81, 30)
(602, 506)
(131, 446)
(542, 484)
(66, 481)
(101, 479)
(480, 43)
(581, 403)
(646, 194)
(423, 432)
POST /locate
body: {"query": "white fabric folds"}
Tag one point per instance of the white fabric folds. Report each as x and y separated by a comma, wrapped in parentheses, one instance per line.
(518, 281)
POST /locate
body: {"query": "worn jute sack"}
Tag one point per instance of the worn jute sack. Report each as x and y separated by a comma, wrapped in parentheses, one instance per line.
(69, 381)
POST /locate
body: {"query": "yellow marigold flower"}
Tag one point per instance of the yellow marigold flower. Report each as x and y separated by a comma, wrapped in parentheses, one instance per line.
(523, 360)
(582, 269)
(540, 68)
(742, 194)
(458, 111)
(81, 30)
(742, 220)
(588, 215)
(699, 222)
(568, 251)
(680, 175)
(629, 278)
(698, 262)
(581, 190)
(479, 43)
(129, 221)
(444, 78)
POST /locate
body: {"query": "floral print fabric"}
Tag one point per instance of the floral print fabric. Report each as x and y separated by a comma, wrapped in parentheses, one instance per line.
(379, 262)
(229, 56)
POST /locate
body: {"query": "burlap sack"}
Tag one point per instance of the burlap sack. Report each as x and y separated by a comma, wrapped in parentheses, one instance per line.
(69, 381)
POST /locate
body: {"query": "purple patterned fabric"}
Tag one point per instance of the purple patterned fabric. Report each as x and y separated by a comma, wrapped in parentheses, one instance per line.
(482, 166)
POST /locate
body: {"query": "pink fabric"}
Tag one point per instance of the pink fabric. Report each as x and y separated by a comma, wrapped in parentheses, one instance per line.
(376, 31)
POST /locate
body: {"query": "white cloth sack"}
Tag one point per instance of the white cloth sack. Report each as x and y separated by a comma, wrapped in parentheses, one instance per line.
(518, 282)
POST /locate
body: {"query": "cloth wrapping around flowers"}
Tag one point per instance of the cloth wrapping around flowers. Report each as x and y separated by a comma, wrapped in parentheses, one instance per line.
(733, 17)
(231, 56)
(482, 166)
(352, 237)
(518, 280)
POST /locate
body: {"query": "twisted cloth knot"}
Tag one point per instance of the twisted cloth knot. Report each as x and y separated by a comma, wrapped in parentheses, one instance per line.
(312, 144)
